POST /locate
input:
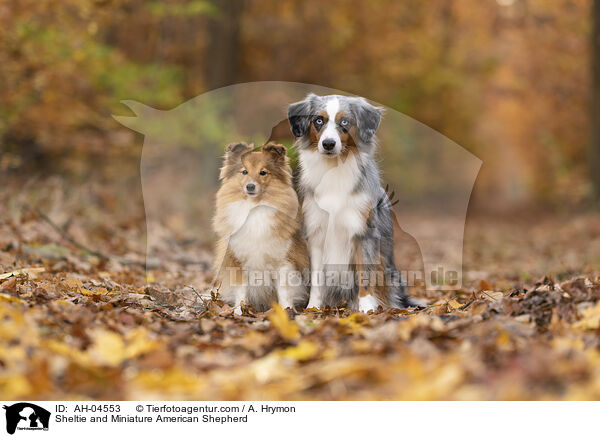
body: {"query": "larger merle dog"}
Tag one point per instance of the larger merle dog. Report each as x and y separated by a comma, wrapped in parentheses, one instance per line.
(347, 217)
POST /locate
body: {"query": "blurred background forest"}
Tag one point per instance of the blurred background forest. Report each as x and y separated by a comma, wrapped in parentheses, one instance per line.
(510, 80)
(84, 313)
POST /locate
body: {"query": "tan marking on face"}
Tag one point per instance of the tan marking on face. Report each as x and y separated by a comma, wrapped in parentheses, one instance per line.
(315, 135)
(347, 137)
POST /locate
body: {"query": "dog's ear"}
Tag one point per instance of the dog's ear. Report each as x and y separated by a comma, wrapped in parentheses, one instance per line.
(233, 152)
(368, 118)
(299, 115)
(236, 149)
(277, 152)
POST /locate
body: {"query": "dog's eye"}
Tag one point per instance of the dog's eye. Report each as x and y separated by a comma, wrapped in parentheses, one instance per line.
(244, 171)
(262, 173)
(344, 122)
(319, 121)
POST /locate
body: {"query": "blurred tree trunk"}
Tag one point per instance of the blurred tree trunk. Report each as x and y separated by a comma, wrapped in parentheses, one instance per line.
(223, 52)
(595, 153)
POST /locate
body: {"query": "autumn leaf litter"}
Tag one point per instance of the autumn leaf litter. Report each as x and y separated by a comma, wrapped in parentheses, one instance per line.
(83, 328)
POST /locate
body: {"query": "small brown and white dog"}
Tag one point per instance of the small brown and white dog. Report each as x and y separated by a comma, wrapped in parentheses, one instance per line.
(260, 255)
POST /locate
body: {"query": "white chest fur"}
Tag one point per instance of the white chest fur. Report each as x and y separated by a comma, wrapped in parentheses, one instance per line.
(253, 240)
(333, 214)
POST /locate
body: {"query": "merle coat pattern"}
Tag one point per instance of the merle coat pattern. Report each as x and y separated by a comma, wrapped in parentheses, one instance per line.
(347, 214)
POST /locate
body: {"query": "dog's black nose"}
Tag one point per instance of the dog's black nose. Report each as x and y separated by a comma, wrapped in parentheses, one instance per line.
(250, 187)
(328, 144)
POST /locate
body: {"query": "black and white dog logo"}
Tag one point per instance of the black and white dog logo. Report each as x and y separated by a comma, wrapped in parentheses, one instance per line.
(26, 416)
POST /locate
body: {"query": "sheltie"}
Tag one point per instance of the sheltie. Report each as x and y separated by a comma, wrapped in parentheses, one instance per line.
(260, 255)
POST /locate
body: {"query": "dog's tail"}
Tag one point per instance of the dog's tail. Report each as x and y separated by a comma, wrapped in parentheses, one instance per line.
(399, 297)
(406, 301)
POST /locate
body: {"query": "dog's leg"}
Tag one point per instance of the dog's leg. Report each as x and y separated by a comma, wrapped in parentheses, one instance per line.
(230, 280)
(365, 255)
(240, 295)
(238, 290)
(317, 276)
(290, 288)
(316, 221)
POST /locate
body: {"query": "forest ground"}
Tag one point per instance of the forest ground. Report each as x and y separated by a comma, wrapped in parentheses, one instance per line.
(80, 318)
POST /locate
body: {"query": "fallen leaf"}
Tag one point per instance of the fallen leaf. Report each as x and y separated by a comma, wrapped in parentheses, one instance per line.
(9, 285)
(108, 348)
(591, 318)
(72, 284)
(305, 350)
(31, 272)
(286, 328)
(454, 304)
(492, 295)
(354, 321)
(10, 299)
(484, 285)
(99, 291)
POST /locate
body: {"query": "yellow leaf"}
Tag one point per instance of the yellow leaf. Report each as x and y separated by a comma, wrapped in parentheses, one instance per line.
(591, 318)
(10, 299)
(268, 368)
(175, 381)
(305, 350)
(139, 343)
(354, 321)
(287, 328)
(108, 348)
(454, 304)
(95, 292)
(111, 349)
(75, 355)
(361, 346)
(14, 387)
(64, 303)
(503, 338)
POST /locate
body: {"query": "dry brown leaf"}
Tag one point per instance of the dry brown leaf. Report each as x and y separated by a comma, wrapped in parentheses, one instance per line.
(30, 271)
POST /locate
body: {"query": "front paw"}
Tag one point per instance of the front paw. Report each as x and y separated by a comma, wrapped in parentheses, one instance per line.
(315, 298)
(368, 303)
(239, 308)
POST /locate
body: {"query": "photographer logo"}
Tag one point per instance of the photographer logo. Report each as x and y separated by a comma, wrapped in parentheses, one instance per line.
(24, 416)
